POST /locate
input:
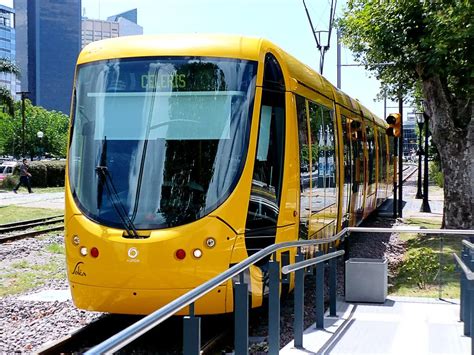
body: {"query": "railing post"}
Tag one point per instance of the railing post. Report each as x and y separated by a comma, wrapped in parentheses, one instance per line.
(299, 303)
(274, 307)
(191, 333)
(471, 306)
(332, 285)
(319, 294)
(241, 317)
(464, 292)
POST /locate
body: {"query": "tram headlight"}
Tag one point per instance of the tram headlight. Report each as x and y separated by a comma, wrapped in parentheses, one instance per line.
(83, 251)
(210, 242)
(197, 253)
(76, 240)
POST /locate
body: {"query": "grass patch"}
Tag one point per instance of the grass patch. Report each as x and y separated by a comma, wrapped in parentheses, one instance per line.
(30, 276)
(443, 274)
(429, 223)
(22, 264)
(10, 214)
(44, 190)
(19, 282)
(55, 248)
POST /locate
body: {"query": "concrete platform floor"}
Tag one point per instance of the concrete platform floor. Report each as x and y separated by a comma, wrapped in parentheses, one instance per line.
(401, 325)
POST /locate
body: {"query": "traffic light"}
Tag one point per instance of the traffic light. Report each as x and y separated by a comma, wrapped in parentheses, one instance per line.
(394, 121)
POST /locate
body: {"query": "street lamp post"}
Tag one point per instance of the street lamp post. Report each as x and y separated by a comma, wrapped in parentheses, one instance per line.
(40, 135)
(425, 207)
(420, 120)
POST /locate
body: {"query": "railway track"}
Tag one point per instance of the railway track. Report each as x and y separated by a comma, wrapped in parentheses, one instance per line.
(408, 171)
(166, 338)
(9, 231)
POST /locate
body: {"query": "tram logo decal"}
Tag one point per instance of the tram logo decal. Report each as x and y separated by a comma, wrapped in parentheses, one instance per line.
(133, 254)
(77, 269)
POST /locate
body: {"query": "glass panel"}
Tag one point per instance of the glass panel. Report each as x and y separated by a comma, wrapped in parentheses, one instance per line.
(359, 170)
(347, 142)
(371, 156)
(172, 134)
(306, 179)
(324, 200)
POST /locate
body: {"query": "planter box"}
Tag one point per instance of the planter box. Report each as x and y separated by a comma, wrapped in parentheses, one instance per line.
(366, 280)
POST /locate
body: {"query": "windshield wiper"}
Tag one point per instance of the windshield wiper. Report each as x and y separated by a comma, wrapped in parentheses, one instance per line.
(115, 199)
(105, 177)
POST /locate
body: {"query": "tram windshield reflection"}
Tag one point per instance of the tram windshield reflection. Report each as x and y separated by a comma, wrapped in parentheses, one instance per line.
(177, 132)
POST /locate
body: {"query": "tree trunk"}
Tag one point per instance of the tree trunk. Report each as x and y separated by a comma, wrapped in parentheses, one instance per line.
(455, 142)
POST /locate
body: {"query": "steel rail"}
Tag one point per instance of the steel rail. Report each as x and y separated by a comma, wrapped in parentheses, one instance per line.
(31, 225)
(13, 224)
(5, 238)
(469, 274)
(302, 264)
(126, 336)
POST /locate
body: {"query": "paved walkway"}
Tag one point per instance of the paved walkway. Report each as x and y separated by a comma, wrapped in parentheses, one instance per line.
(402, 325)
(43, 200)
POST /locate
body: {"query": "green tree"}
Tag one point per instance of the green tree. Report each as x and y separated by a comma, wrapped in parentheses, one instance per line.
(427, 45)
(53, 124)
(6, 66)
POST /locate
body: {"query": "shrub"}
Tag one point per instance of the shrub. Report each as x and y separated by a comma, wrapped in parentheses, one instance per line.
(436, 174)
(39, 174)
(10, 182)
(47, 173)
(421, 267)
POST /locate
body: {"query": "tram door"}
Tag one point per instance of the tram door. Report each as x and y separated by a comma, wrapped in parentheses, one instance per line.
(264, 203)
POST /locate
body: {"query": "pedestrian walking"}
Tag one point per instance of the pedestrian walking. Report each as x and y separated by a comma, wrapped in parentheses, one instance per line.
(24, 177)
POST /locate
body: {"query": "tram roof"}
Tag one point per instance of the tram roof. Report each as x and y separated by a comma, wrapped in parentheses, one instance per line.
(224, 46)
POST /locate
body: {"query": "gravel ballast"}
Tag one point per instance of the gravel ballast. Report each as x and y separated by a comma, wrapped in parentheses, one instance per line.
(25, 326)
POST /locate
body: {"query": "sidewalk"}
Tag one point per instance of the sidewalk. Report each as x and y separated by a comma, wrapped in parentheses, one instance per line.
(44, 200)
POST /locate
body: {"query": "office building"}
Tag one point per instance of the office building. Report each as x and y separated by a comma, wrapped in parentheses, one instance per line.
(7, 47)
(410, 142)
(47, 45)
(124, 24)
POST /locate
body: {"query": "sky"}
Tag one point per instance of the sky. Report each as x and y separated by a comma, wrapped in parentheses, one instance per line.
(284, 22)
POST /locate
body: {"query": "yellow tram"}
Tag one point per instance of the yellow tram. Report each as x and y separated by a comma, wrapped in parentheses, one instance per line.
(188, 153)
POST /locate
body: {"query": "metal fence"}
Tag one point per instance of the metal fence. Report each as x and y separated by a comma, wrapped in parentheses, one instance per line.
(466, 263)
(191, 329)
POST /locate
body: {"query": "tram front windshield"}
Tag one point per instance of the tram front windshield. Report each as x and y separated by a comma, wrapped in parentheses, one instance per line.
(171, 134)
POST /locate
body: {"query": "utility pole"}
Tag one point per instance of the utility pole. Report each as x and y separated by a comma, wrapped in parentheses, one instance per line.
(338, 51)
(23, 97)
(317, 34)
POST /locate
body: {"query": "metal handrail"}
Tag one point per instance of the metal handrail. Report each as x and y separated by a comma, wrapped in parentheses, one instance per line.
(410, 230)
(469, 274)
(129, 334)
(468, 244)
(302, 264)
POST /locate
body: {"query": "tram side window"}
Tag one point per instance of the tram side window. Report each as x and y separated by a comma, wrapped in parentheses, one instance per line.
(371, 162)
(323, 157)
(347, 143)
(382, 157)
(305, 172)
